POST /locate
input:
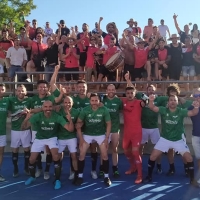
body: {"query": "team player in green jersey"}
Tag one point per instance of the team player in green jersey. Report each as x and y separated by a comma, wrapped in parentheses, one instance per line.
(19, 107)
(114, 106)
(36, 106)
(96, 127)
(68, 138)
(172, 134)
(3, 118)
(47, 124)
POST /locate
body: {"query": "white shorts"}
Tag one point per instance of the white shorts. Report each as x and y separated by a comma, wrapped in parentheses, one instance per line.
(179, 146)
(70, 143)
(2, 140)
(20, 138)
(152, 134)
(196, 146)
(39, 144)
(110, 137)
(91, 139)
(33, 136)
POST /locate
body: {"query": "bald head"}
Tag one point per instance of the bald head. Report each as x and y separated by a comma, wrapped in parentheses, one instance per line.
(111, 91)
(68, 102)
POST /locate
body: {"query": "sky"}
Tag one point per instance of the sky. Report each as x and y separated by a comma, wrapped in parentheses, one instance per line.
(88, 11)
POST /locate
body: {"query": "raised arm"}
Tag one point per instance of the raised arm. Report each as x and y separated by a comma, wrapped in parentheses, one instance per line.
(127, 78)
(53, 78)
(176, 23)
(127, 41)
(195, 110)
(99, 26)
(151, 104)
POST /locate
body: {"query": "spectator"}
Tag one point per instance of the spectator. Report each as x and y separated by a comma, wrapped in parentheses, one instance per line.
(175, 64)
(16, 58)
(47, 32)
(133, 30)
(76, 30)
(148, 30)
(64, 29)
(95, 30)
(139, 30)
(195, 33)
(183, 34)
(196, 55)
(32, 30)
(163, 29)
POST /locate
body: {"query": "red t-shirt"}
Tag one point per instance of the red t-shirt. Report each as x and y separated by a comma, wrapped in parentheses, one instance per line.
(132, 112)
(86, 40)
(141, 56)
(34, 48)
(198, 50)
(71, 61)
(32, 32)
(110, 51)
(23, 41)
(5, 44)
(90, 62)
(162, 54)
(106, 39)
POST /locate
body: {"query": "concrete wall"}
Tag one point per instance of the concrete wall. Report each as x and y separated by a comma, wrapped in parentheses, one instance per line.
(148, 147)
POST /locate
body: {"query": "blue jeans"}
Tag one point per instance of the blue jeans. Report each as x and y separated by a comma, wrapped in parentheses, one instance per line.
(49, 68)
(12, 71)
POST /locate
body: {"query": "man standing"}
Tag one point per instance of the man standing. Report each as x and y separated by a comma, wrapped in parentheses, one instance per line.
(172, 134)
(3, 119)
(64, 30)
(97, 127)
(16, 58)
(148, 30)
(163, 29)
(47, 123)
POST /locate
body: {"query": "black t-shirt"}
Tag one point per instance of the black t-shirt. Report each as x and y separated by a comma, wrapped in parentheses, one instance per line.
(183, 36)
(187, 54)
(52, 54)
(64, 31)
(176, 53)
(65, 46)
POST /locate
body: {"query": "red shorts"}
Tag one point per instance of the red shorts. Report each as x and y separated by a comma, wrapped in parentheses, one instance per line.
(131, 140)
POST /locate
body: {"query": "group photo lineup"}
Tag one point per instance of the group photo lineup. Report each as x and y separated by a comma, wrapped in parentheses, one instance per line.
(95, 106)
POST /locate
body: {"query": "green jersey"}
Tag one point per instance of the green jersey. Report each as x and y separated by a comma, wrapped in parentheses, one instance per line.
(114, 106)
(47, 127)
(172, 123)
(80, 103)
(37, 102)
(56, 92)
(16, 107)
(94, 121)
(64, 134)
(4, 103)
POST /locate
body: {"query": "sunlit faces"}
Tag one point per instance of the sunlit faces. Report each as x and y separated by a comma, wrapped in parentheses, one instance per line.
(92, 40)
(94, 101)
(42, 88)
(141, 45)
(16, 42)
(82, 88)
(112, 42)
(131, 23)
(5, 34)
(63, 38)
(130, 94)
(47, 107)
(131, 39)
(174, 40)
(173, 102)
(99, 42)
(85, 27)
(186, 28)
(2, 90)
(111, 29)
(68, 103)
(161, 44)
(21, 92)
(151, 90)
(39, 37)
(50, 41)
(188, 41)
(150, 22)
(111, 91)
(68, 88)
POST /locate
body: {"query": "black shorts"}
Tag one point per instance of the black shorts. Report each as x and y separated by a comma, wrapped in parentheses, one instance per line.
(153, 73)
(38, 65)
(165, 72)
(175, 71)
(197, 68)
(105, 72)
(129, 68)
(138, 72)
(83, 58)
(71, 76)
(62, 69)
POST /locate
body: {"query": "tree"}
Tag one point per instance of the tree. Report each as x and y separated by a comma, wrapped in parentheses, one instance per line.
(14, 11)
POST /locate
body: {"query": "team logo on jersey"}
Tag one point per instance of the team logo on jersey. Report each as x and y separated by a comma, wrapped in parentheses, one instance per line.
(78, 103)
(167, 115)
(23, 101)
(175, 116)
(114, 104)
(42, 122)
(89, 115)
(4, 104)
(35, 102)
(51, 123)
(105, 103)
(99, 115)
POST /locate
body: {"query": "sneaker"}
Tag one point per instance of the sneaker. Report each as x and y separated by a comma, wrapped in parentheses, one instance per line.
(71, 176)
(194, 183)
(28, 80)
(38, 173)
(2, 179)
(101, 174)
(116, 174)
(107, 181)
(138, 180)
(26, 171)
(130, 171)
(148, 179)
(94, 174)
(170, 173)
(57, 185)
(78, 181)
(159, 171)
(46, 176)
(30, 180)
(16, 173)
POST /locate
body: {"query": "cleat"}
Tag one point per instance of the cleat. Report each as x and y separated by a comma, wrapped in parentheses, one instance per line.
(101, 174)
(159, 171)
(71, 176)
(116, 174)
(2, 179)
(148, 179)
(107, 181)
(194, 183)
(30, 180)
(26, 172)
(138, 180)
(38, 173)
(15, 173)
(78, 181)
(170, 173)
(46, 176)
(57, 185)
(94, 174)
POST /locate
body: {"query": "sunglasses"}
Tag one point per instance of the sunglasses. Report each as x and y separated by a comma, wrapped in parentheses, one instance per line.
(196, 95)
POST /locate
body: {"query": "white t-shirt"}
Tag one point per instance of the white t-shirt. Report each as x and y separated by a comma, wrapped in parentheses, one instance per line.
(163, 30)
(17, 56)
